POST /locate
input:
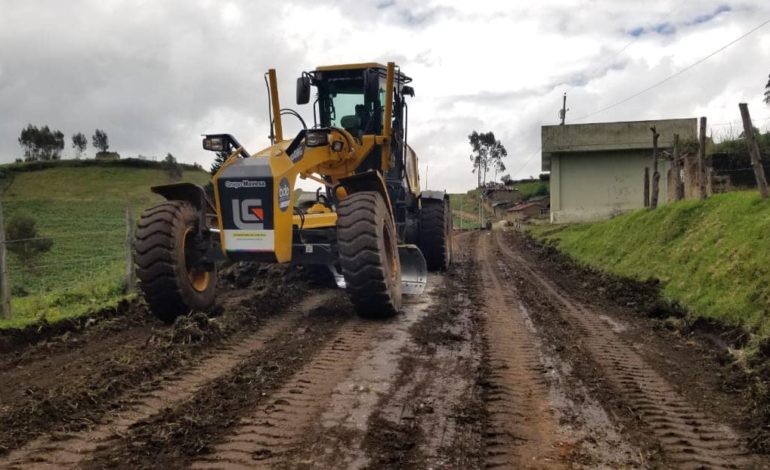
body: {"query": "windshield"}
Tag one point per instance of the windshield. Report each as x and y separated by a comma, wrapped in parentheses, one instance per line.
(343, 104)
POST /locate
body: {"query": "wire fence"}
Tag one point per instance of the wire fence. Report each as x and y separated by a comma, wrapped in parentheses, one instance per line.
(67, 265)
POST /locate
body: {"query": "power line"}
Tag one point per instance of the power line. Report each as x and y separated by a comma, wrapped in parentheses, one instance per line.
(676, 74)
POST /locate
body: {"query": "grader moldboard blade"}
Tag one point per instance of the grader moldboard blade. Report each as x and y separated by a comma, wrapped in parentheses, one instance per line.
(414, 270)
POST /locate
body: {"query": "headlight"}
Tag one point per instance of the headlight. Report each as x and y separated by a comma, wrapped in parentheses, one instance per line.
(215, 144)
(316, 139)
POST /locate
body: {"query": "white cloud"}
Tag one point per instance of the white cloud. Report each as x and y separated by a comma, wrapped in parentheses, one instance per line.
(155, 75)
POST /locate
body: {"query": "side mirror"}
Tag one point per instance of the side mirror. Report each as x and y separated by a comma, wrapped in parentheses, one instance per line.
(303, 89)
(407, 91)
(371, 84)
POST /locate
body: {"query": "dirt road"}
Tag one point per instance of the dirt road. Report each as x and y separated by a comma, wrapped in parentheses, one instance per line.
(507, 361)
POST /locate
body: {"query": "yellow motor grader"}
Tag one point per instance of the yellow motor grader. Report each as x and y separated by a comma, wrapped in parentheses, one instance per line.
(369, 222)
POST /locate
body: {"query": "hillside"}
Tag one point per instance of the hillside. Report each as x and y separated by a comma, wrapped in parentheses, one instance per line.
(711, 256)
(465, 206)
(83, 209)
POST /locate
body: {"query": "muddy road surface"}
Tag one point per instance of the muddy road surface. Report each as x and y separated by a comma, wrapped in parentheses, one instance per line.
(507, 361)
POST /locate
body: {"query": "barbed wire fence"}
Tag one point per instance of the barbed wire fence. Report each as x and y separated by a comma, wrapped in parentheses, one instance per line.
(87, 265)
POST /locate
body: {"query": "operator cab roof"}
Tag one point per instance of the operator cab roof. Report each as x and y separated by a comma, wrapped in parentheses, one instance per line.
(362, 66)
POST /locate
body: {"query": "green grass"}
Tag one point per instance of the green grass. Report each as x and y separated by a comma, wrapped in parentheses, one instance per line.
(467, 203)
(712, 256)
(84, 210)
(532, 188)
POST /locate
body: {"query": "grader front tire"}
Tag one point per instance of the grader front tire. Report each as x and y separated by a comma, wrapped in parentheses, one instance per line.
(368, 250)
(164, 253)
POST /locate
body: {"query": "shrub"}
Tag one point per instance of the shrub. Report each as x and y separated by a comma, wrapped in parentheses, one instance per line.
(23, 240)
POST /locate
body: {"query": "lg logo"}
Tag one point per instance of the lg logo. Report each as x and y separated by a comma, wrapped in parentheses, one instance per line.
(248, 214)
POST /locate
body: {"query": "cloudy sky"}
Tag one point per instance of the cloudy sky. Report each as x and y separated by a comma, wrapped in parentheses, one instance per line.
(157, 74)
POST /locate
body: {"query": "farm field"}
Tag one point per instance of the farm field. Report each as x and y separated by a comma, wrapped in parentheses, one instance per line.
(83, 209)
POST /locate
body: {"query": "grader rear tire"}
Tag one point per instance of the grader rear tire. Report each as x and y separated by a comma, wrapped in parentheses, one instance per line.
(163, 249)
(436, 234)
(368, 250)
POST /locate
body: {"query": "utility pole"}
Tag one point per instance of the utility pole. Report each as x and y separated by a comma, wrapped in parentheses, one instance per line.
(563, 111)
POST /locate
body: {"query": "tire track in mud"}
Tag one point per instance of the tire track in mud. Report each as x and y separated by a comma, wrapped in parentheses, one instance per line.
(268, 436)
(178, 435)
(522, 432)
(688, 437)
(68, 451)
(336, 438)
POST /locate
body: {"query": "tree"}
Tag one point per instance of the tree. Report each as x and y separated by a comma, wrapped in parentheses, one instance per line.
(767, 91)
(100, 140)
(173, 169)
(28, 141)
(23, 240)
(218, 161)
(79, 143)
(41, 143)
(488, 152)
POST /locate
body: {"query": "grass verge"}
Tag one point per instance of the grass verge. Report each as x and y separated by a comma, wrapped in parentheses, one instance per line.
(712, 257)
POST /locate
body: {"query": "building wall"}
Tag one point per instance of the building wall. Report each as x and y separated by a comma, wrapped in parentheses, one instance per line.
(597, 169)
(598, 185)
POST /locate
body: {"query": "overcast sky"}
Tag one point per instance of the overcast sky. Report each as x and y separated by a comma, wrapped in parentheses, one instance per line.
(157, 74)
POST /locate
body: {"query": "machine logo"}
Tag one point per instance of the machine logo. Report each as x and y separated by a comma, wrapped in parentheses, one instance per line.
(248, 214)
(245, 184)
(284, 194)
(297, 154)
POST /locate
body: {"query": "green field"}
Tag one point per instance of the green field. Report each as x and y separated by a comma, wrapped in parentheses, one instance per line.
(712, 256)
(83, 209)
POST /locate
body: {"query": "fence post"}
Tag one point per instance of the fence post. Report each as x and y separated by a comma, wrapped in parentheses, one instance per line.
(5, 293)
(646, 187)
(655, 172)
(129, 249)
(679, 194)
(702, 158)
(756, 158)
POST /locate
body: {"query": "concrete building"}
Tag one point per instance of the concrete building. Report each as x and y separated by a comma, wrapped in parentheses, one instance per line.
(597, 170)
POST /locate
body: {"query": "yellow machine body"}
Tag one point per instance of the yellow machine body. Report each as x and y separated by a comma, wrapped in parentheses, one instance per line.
(254, 192)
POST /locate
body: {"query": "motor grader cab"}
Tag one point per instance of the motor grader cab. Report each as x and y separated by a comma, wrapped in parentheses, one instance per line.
(369, 223)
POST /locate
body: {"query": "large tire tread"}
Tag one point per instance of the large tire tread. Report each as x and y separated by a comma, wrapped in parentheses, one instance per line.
(363, 264)
(160, 262)
(435, 234)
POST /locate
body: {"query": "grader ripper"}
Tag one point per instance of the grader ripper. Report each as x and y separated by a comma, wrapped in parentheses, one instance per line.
(371, 225)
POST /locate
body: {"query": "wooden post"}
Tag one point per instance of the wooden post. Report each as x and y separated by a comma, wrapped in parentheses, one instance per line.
(129, 250)
(5, 292)
(646, 186)
(756, 157)
(702, 158)
(678, 164)
(655, 173)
